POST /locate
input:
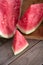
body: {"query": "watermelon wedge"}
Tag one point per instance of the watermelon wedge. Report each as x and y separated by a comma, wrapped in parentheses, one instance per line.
(31, 19)
(9, 13)
(19, 43)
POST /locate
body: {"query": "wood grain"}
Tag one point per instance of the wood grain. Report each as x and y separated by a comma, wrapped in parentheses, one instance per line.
(34, 56)
(5, 50)
(6, 53)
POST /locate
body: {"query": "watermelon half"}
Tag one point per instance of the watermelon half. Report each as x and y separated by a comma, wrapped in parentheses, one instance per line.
(9, 13)
(31, 19)
(19, 43)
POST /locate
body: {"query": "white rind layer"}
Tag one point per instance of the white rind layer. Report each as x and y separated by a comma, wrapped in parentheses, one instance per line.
(30, 31)
(5, 35)
(17, 52)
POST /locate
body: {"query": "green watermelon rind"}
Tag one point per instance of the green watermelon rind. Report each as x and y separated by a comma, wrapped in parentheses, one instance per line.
(17, 52)
(30, 31)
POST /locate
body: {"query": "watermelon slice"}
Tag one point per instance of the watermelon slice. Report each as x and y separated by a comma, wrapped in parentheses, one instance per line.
(9, 13)
(31, 19)
(19, 43)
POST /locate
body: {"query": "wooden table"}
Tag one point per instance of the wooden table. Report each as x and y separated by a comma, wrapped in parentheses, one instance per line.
(33, 55)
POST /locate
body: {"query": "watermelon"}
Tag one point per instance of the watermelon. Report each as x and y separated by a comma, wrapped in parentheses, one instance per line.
(31, 19)
(19, 43)
(9, 14)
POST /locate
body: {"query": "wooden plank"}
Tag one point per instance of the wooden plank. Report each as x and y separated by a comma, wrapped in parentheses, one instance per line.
(34, 56)
(6, 53)
(5, 50)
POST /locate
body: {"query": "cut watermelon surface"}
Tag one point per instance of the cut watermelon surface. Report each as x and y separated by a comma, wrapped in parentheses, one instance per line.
(19, 43)
(31, 19)
(9, 13)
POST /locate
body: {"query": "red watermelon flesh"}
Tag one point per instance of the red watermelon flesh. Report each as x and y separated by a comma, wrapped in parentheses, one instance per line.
(31, 19)
(9, 13)
(19, 43)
